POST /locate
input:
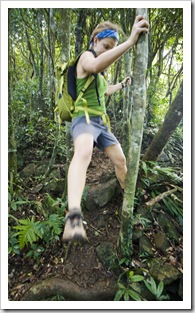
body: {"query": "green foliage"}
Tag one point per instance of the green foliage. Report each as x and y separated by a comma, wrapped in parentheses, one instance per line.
(132, 288)
(175, 206)
(138, 219)
(29, 231)
(155, 172)
(35, 251)
(53, 228)
(129, 292)
(15, 201)
(126, 294)
(155, 178)
(13, 245)
(157, 291)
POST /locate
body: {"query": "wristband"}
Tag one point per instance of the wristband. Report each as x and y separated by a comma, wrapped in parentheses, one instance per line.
(122, 84)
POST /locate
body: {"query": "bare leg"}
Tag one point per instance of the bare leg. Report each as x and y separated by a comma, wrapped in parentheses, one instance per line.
(115, 153)
(74, 229)
(78, 168)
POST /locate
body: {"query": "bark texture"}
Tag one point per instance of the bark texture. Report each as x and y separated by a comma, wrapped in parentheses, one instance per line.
(171, 121)
(135, 139)
(70, 291)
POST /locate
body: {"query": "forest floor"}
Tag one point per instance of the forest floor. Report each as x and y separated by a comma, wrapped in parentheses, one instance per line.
(77, 262)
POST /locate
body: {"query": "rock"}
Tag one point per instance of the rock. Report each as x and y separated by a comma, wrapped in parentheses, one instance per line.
(144, 212)
(137, 233)
(28, 171)
(40, 171)
(107, 256)
(55, 187)
(173, 291)
(101, 194)
(180, 291)
(54, 183)
(145, 246)
(162, 271)
(160, 241)
(168, 227)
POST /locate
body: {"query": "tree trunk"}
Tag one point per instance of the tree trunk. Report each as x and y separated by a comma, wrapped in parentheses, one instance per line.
(171, 121)
(12, 152)
(136, 133)
(51, 43)
(127, 105)
(80, 31)
(66, 24)
(41, 69)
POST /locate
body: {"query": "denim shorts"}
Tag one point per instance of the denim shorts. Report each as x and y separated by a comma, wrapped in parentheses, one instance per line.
(101, 135)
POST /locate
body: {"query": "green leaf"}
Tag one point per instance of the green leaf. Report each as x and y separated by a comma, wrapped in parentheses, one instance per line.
(144, 167)
(13, 206)
(119, 295)
(134, 295)
(160, 289)
(153, 284)
(121, 286)
(148, 286)
(126, 295)
(124, 260)
(137, 278)
(28, 231)
(131, 273)
(9, 250)
(22, 202)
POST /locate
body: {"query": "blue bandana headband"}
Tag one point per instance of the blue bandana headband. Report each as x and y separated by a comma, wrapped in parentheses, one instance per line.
(108, 33)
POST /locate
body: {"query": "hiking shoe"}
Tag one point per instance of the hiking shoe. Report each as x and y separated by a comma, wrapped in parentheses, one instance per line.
(73, 229)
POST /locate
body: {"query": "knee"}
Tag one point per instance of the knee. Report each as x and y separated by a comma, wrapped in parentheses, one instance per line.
(121, 161)
(84, 154)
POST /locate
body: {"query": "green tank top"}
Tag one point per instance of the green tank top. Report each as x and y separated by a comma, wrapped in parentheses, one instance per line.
(91, 96)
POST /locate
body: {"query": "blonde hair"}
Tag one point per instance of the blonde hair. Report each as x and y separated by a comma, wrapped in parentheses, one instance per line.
(102, 26)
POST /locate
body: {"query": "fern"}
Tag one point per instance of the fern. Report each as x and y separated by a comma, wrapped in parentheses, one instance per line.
(29, 231)
(55, 223)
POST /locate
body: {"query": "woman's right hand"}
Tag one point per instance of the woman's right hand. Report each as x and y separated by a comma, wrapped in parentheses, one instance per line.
(140, 25)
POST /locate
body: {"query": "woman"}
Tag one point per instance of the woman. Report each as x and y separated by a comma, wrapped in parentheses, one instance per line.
(104, 52)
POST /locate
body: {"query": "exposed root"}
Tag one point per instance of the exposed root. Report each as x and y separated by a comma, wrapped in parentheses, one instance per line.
(70, 291)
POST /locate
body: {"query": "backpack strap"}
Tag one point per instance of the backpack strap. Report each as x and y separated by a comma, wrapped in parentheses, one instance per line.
(81, 93)
(96, 76)
(84, 108)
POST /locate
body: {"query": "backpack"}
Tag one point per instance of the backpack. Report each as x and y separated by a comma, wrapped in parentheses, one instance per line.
(65, 97)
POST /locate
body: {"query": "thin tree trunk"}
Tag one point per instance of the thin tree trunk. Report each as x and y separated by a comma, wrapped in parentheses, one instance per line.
(80, 31)
(41, 70)
(51, 58)
(171, 121)
(66, 24)
(127, 105)
(136, 133)
(12, 152)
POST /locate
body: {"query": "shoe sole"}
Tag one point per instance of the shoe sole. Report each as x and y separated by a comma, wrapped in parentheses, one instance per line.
(75, 237)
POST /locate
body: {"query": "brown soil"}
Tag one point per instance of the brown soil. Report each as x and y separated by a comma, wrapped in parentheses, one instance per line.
(75, 261)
